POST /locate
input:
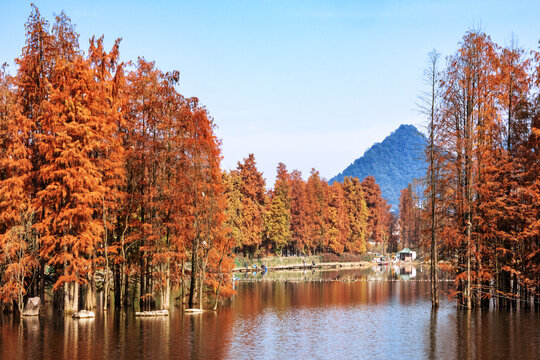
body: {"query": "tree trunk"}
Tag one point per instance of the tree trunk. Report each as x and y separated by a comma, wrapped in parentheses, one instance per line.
(90, 295)
(194, 270)
(182, 289)
(71, 297)
(117, 287)
(166, 291)
(468, 296)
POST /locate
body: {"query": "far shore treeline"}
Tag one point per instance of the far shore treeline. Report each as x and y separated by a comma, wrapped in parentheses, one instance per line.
(112, 192)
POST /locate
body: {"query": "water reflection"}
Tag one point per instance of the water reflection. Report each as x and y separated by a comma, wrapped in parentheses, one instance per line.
(432, 333)
(372, 317)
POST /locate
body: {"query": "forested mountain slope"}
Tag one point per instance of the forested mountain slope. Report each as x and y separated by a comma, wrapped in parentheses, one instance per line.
(394, 163)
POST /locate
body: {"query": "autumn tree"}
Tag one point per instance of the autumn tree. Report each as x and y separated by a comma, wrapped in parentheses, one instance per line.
(18, 250)
(358, 215)
(410, 216)
(393, 231)
(70, 137)
(232, 181)
(31, 88)
(468, 125)
(316, 193)
(204, 215)
(299, 227)
(277, 220)
(429, 106)
(109, 156)
(253, 204)
(377, 209)
(337, 219)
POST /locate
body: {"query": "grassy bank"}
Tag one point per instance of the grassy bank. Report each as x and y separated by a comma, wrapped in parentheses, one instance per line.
(274, 261)
(277, 261)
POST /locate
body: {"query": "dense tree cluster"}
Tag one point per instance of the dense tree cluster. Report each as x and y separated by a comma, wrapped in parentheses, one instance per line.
(483, 184)
(110, 179)
(303, 217)
(411, 216)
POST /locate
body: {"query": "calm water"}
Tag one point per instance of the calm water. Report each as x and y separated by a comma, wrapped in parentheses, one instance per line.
(382, 315)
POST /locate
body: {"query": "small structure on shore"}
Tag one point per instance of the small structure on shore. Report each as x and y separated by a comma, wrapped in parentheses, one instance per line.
(84, 314)
(152, 313)
(406, 255)
(32, 307)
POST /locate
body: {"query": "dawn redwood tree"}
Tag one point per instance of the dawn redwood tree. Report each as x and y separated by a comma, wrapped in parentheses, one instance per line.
(110, 89)
(468, 127)
(31, 87)
(70, 137)
(358, 214)
(406, 215)
(277, 220)
(254, 204)
(204, 211)
(276, 225)
(377, 209)
(393, 233)
(337, 219)
(530, 156)
(299, 227)
(18, 257)
(410, 217)
(429, 106)
(144, 145)
(316, 192)
(232, 181)
(505, 212)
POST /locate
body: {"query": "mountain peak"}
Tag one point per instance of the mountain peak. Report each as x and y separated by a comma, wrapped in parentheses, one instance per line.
(394, 162)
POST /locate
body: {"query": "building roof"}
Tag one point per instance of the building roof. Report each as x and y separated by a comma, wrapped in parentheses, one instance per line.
(406, 250)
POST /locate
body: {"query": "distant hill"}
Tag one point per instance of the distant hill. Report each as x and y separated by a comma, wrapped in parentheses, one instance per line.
(394, 163)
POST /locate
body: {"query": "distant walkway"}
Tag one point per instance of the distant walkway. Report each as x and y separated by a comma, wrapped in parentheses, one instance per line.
(302, 266)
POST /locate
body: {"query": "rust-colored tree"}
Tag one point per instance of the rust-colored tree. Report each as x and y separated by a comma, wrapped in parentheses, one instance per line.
(254, 204)
(377, 208)
(358, 214)
(316, 193)
(299, 229)
(18, 257)
(277, 220)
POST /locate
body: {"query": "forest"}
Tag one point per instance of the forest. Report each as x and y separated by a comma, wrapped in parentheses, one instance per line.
(111, 186)
(300, 217)
(110, 180)
(479, 214)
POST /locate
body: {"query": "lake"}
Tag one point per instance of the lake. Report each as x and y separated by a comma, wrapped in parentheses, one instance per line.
(347, 314)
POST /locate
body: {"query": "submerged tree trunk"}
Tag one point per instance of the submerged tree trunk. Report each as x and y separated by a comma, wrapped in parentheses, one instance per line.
(182, 284)
(71, 297)
(432, 77)
(106, 250)
(166, 290)
(90, 302)
(194, 271)
(468, 295)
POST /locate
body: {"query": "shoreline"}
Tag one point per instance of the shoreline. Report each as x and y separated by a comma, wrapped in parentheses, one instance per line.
(302, 266)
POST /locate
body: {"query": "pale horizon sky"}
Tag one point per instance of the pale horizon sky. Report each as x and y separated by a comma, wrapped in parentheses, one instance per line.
(306, 83)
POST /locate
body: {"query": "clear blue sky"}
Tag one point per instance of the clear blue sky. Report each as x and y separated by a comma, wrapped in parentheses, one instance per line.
(307, 83)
